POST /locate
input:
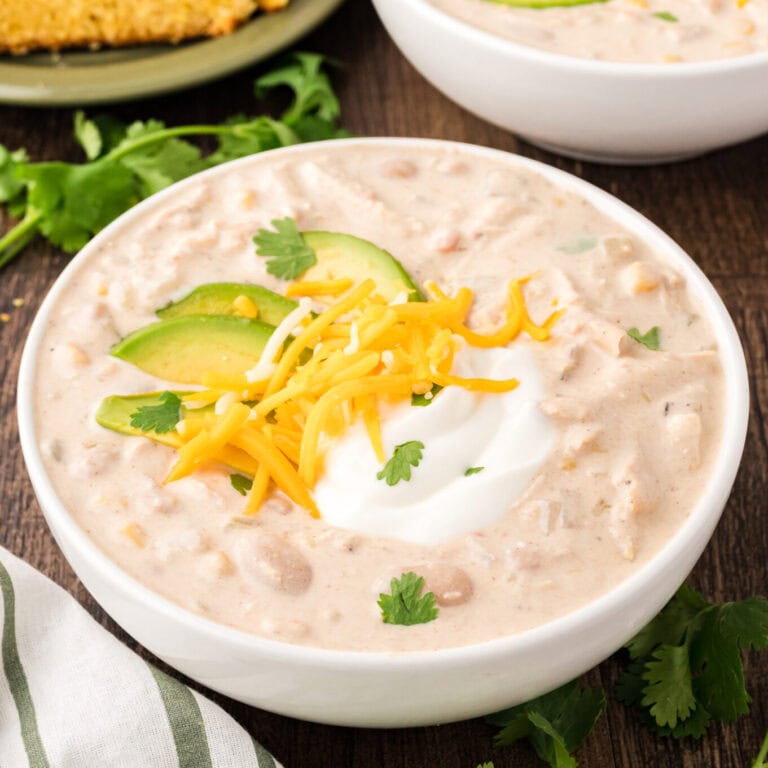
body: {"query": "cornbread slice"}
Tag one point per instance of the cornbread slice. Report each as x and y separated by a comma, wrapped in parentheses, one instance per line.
(56, 24)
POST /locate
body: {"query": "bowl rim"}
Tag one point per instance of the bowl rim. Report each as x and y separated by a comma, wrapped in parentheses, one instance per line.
(707, 509)
(682, 70)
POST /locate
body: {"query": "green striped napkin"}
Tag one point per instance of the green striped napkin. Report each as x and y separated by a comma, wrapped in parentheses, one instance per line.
(72, 696)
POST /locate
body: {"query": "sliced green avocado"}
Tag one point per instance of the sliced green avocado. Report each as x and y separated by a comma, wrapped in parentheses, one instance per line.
(184, 348)
(115, 413)
(340, 255)
(218, 298)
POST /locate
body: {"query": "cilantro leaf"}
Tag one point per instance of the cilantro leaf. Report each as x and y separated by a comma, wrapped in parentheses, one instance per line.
(98, 135)
(314, 128)
(472, 471)
(719, 682)
(157, 160)
(250, 136)
(687, 669)
(312, 91)
(289, 256)
(427, 397)
(405, 456)
(670, 625)
(556, 724)
(650, 338)
(10, 186)
(746, 622)
(73, 202)
(88, 135)
(666, 16)
(159, 418)
(111, 130)
(629, 685)
(485, 765)
(406, 605)
(669, 693)
(241, 483)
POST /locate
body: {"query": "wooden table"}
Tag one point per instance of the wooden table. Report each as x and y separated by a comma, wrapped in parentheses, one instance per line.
(716, 207)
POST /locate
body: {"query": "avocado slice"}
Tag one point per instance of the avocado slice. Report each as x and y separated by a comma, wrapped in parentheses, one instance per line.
(340, 255)
(218, 298)
(115, 413)
(183, 348)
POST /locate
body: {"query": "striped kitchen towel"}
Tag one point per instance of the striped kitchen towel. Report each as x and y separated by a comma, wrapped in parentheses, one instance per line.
(72, 696)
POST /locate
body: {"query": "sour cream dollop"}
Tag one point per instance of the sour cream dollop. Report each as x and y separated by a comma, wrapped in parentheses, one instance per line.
(505, 434)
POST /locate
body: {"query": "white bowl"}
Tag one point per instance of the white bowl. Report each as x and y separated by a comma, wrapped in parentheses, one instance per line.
(596, 110)
(414, 688)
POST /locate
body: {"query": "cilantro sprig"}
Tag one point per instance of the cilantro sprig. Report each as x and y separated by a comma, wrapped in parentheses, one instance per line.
(650, 339)
(685, 672)
(67, 203)
(686, 668)
(160, 418)
(288, 256)
(405, 456)
(556, 724)
(405, 604)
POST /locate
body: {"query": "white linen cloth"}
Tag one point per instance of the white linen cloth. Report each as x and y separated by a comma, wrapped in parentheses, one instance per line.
(73, 696)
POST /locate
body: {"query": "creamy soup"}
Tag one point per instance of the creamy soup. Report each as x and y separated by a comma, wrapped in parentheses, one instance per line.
(652, 31)
(578, 477)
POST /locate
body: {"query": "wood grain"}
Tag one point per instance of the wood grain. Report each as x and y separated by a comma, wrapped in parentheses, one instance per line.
(716, 207)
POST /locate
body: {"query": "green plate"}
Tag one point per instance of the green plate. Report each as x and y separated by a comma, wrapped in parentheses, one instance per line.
(90, 77)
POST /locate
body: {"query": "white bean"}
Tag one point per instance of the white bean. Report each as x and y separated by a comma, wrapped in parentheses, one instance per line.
(275, 562)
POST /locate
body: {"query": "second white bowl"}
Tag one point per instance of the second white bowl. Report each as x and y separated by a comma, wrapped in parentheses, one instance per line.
(596, 110)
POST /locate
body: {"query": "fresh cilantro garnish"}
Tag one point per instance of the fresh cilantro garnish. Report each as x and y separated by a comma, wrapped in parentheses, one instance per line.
(405, 456)
(579, 245)
(159, 418)
(427, 397)
(313, 93)
(406, 605)
(556, 724)
(485, 765)
(686, 665)
(67, 203)
(287, 253)
(472, 471)
(650, 338)
(666, 16)
(241, 483)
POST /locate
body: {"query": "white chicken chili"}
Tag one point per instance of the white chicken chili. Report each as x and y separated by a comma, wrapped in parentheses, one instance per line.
(516, 501)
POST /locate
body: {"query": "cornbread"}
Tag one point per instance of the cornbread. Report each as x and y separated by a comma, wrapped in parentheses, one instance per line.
(566, 493)
(57, 24)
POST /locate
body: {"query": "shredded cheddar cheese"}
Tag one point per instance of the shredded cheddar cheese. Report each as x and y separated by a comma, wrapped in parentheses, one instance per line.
(319, 287)
(320, 373)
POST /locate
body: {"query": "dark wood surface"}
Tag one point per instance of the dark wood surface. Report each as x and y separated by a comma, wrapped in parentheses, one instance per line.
(716, 207)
